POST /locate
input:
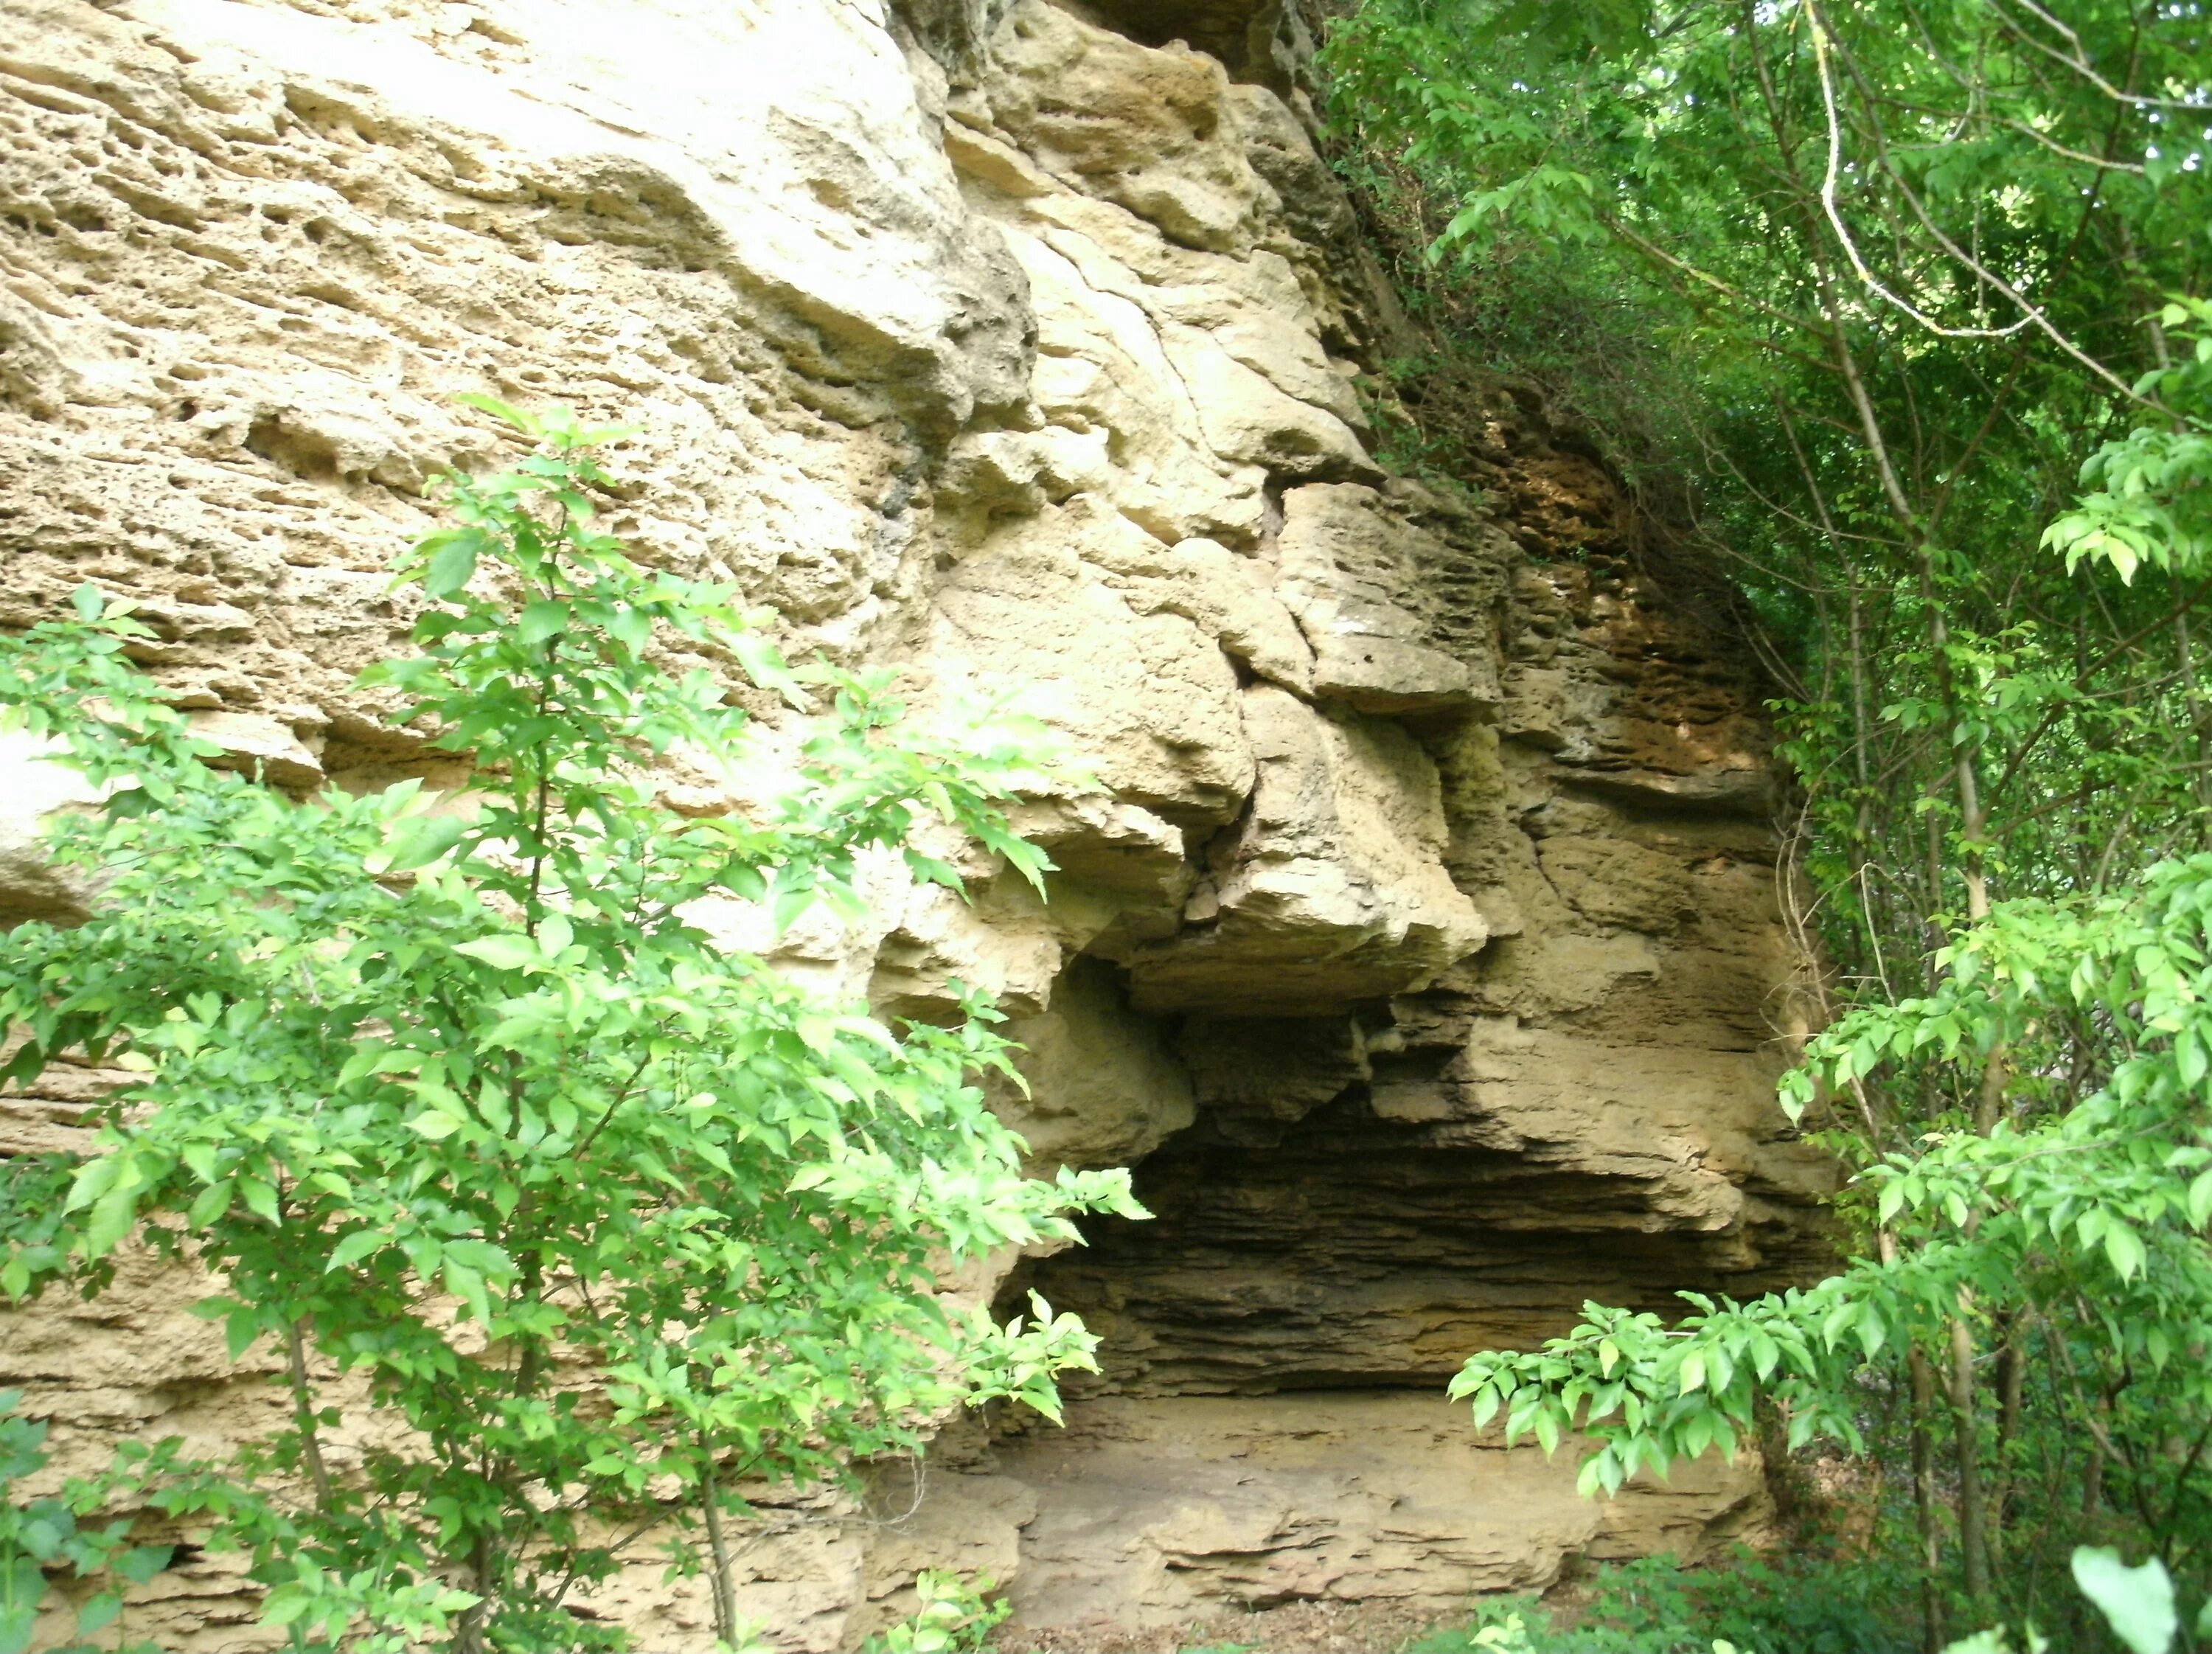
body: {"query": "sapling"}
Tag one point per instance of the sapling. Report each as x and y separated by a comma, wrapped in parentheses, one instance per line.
(563, 1221)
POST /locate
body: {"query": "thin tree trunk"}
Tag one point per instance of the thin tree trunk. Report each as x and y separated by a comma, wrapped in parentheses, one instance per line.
(718, 1543)
(2200, 722)
(1920, 1411)
(2093, 1484)
(2012, 1377)
(1973, 1510)
(303, 1417)
(469, 1630)
(1923, 1502)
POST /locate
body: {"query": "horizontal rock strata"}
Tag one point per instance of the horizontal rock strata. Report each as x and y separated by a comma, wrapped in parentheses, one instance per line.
(1364, 1496)
(1416, 932)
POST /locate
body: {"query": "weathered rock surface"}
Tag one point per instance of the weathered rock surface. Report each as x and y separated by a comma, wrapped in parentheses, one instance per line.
(1191, 1510)
(1416, 934)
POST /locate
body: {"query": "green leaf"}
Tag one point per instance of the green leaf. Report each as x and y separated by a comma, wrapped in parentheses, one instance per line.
(508, 950)
(765, 667)
(140, 1564)
(260, 1198)
(422, 841)
(114, 1216)
(2137, 1602)
(633, 628)
(211, 1203)
(2125, 1250)
(286, 1607)
(240, 1328)
(543, 619)
(352, 1248)
(98, 1613)
(452, 565)
(93, 1179)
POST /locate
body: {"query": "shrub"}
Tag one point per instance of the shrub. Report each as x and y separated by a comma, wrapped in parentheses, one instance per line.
(574, 1217)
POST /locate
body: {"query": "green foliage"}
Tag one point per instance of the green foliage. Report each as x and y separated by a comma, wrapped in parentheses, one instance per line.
(484, 1135)
(51, 1532)
(2152, 499)
(1749, 1606)
(1656, 1606)
(2137, 1604)
(1920, 279)
(956, 1617)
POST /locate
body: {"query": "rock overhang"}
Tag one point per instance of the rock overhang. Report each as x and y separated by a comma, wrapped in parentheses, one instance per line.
(1416, 930)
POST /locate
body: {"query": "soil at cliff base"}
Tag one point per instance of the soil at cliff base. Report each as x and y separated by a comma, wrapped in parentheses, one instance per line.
(1298, 1628)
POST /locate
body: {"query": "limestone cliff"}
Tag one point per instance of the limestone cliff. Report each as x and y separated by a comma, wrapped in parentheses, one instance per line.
(1419, 944)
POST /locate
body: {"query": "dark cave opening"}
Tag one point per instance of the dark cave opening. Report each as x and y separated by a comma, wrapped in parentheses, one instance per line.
(1347, 1250)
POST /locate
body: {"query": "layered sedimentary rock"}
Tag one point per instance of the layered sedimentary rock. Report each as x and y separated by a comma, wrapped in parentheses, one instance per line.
(1416, 935)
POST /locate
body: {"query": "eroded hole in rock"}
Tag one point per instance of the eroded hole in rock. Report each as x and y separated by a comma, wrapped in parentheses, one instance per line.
(1354, 1189)
(1251, 38)
(1350, 1249)
(1360, 1201)
(307, 454)
(1363, 1201)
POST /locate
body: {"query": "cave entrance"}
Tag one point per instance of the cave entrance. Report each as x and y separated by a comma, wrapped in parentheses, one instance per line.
(1341, 1222)
(1361, 1201)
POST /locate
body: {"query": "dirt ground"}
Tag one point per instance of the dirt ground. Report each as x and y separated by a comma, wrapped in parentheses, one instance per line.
(1300, 1628)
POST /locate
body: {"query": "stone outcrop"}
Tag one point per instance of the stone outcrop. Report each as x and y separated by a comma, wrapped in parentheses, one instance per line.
(1415, 932)
(1363, 1496)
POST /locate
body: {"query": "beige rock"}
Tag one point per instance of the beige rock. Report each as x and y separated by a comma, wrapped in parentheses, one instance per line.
(1103, 1088)
(1415, 926)
(1145, 702)
(1203, 1509)
(33, 787)
(1259, 313)
(1552, 709)
(1102, 367)
(999, 940)
(1352, 572)
(1101, 841)
(965, 1524)
(1140, 128)
(442, 218)
(1247, 419)
(1224, 595)
(1331, 889)
(262, 746)
(1618, 883)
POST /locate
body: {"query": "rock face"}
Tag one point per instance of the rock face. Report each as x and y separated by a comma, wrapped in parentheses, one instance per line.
(1372, 1496)
(1419, 940)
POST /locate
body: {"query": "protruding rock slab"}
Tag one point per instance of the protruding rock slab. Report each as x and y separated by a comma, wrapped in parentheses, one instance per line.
(1332, 887)
(1353, 573)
